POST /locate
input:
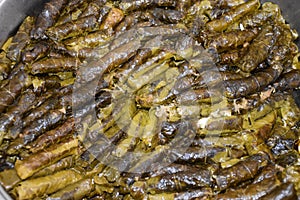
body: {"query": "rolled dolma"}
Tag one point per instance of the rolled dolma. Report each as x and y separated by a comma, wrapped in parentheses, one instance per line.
(254, 83)
(74, 28)
(35, 51)
(52, 136)
(179, 181)
(76, 191)
(252, 191)
(108, 62)
(47, 17)
(29, 165)
(71, 12)
(36, 128)
(45, 104)
(13, 114)
(203, 193)
(93, 39)
(267, 172)
(13, 89)
(242, 171)
(38, 187)
(285, 191)
(230, 17)
(259, 17)
(233, 39)
(128, 5)
(289, 80)
(259, 49)
(198, 155)
(171, 169)
(54, 65)
(20, 40)
(145, 33)
(62, 164)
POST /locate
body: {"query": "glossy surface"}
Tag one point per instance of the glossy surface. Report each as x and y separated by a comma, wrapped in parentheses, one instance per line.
(178, 181)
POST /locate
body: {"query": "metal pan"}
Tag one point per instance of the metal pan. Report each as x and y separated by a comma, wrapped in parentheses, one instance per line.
(12, 13)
